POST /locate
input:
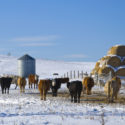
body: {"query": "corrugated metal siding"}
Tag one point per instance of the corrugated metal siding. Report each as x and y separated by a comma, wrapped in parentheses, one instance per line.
(26, 67)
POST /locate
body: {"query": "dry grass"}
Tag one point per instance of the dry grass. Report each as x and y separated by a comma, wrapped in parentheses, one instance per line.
(97, 97)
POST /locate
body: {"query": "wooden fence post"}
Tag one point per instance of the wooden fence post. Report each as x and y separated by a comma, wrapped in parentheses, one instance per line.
(74, 74)
(78, 73)
(82, 74)
(67, 74)
(70, 74)
(64, 75)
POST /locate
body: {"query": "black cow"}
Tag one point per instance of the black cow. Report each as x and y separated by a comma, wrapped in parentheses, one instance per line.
(75, 89)
(55, 85)
(5, 83)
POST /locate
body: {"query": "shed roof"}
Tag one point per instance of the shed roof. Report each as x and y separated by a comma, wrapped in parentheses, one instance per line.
(26, 57)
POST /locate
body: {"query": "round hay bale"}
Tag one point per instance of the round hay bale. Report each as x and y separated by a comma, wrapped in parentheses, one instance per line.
(118, 50)
(94, 71)
(114, 61)
(123, 61)
(121, 72)
(103, 60)
(97, 64)
(106, 70)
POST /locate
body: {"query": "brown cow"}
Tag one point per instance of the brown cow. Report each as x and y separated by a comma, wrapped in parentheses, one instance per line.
(112, 88)
(21, 83)
(88, 83)
(44, 87)
(33, 79)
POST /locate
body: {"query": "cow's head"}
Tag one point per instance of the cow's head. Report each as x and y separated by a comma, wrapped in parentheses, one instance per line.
(54, 87)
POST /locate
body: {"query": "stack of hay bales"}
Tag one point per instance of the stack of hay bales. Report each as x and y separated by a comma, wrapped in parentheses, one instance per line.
(123, 61)
(118, 50)
(121, 71)
(106, 70)
(95, 70)
(114, 62)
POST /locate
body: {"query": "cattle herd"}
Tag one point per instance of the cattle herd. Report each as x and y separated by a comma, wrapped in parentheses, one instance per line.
(111, 88)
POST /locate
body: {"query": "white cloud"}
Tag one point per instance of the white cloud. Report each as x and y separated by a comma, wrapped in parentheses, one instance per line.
(35, 39)
(37, 44)
(76, 56)
(1, 49)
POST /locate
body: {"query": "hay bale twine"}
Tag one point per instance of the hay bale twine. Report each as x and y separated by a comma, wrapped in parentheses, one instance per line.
(123, 61)
(118, 50)
(106, 70)
(114, 61)
(121, 71)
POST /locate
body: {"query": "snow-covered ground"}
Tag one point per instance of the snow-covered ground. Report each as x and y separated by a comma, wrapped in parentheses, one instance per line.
(28, 109)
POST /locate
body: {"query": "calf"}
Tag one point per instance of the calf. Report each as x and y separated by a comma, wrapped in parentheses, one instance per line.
(21, 83)
(33, 79)
(44, 86)
(55, 85)
(75, 89)
(14, 81)
(5, 83)
(112, 88)
(88, 83)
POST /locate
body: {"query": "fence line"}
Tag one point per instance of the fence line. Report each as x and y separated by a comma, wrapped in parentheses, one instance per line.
(75, 74)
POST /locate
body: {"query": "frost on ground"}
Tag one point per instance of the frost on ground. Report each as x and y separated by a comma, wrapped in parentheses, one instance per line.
(28, 109)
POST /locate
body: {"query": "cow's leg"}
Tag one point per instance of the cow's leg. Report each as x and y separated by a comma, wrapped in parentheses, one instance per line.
(109, 92)
(84, 89)
(29, 85)
(88, 91)
(5, 90)
(116, 96)
(24, 89)
(71, 96)
(8, 90)
(75, 97)
(113, 95)
(21, 89)
(44, 95)
(34, 85)
(41, 94)
(79, 94)
(16, 86)
(108, 97)
(2, 91)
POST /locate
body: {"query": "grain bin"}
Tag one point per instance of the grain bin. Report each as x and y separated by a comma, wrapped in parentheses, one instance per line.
(26, 66)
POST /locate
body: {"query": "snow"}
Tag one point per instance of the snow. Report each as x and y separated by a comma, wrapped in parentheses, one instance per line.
(27, 109)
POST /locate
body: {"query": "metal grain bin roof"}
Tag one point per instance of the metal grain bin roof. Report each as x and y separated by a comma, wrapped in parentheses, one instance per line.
(26, 57)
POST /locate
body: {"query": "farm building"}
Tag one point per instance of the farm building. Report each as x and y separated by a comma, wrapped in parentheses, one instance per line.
(26, 66)
(113, 62)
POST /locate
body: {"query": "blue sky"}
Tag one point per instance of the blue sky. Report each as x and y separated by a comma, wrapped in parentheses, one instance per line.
(70, 30)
